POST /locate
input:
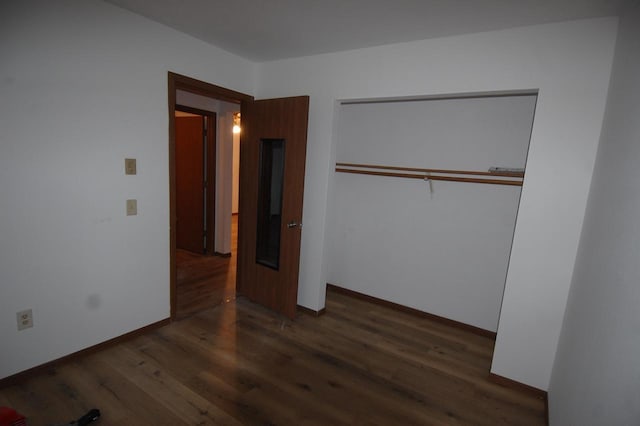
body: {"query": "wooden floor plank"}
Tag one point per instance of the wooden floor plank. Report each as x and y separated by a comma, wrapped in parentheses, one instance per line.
(187, 405)
(240, 363)
(205, 281)
(366, 371)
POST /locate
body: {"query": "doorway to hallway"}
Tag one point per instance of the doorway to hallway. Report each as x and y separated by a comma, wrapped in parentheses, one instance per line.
(272, 124)
(204, 200)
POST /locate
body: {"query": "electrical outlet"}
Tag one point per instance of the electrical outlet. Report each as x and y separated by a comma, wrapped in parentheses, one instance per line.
(132, 207)
(130, 166)
(25, 319)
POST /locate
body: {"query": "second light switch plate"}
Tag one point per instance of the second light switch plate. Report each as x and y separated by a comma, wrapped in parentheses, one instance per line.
(132, 207)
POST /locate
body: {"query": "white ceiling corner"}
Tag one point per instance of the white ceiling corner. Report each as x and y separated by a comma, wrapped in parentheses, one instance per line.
(262, 30)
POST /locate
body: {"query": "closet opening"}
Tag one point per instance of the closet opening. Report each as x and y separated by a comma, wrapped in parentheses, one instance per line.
(425, 199)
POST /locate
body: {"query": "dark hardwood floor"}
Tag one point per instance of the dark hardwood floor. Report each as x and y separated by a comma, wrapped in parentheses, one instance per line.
(239, 363)
(206, 281)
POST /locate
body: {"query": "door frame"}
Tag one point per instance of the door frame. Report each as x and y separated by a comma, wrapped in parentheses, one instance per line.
(187, 84)
(210, 171)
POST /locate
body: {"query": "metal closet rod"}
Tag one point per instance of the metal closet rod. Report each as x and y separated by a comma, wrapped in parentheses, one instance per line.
(392, 171)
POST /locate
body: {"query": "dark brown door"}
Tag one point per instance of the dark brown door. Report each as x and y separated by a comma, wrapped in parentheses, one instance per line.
(189, 183)
(273, 146)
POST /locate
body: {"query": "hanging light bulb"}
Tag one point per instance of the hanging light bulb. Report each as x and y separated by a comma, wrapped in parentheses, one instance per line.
(236, 122)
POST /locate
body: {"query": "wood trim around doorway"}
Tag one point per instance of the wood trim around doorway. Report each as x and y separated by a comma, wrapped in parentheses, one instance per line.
(187, 84)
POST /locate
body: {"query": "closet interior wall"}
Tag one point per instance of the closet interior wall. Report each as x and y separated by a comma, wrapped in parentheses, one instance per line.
(442, 249)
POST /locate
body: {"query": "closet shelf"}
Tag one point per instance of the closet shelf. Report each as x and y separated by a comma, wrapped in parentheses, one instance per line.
(492, 177)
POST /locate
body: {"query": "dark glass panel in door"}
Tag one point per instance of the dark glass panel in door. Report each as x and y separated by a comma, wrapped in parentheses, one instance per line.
(270, 187)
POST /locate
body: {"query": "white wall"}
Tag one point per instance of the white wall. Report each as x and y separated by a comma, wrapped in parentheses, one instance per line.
(445, 253)
(596, 376)
(83, 85)
(569, 63)
(225, 145)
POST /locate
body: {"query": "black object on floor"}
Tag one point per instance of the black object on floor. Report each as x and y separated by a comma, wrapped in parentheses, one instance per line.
(91, 416)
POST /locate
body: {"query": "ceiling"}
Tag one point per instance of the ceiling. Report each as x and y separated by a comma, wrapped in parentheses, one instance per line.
(264, 30)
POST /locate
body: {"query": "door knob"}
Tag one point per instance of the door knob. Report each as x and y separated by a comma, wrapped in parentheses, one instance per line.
(294, 224)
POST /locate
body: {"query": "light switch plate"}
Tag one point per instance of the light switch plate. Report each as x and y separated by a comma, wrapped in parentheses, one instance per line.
(132, 207)
(130, 166)
(24, 319)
